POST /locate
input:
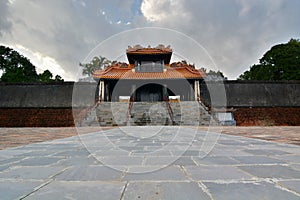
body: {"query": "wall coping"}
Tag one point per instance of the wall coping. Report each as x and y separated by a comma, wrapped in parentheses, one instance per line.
(254, 82)
(50, 83)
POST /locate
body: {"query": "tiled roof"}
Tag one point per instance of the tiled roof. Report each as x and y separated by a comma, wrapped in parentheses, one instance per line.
(149, 50)
(138, 53)
(117, 72)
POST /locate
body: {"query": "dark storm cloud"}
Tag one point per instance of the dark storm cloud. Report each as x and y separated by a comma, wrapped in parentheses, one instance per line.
(235, 32)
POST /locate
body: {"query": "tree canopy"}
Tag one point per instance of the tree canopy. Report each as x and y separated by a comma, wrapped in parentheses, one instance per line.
(17, 68)
(96, 63)
(214, 75)
(281, 62)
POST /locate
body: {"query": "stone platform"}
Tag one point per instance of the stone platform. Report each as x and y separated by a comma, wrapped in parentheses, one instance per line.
(151, 163)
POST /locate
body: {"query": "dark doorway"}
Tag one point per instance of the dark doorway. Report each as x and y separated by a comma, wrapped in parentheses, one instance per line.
(149, 93)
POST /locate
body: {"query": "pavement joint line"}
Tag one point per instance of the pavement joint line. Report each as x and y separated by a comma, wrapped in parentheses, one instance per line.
(160, 181)
(203, 187)
(60, 172)
(185, 173)
(197, 164)
(124, 173)
(229, 181)
(277, 185)
(37, 189)
(123, 191)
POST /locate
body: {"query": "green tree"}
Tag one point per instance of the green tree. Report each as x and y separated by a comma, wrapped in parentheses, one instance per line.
(281, 62)
(17, 68)
(46, 76)
(58, 78)
(215, 73)
(96, 63)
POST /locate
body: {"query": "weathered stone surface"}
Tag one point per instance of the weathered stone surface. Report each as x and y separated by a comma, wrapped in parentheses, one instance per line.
(33, 172)
(90, 173)
(293, 185)
(272, 171)
(39, 161)
(216, 173)
(257, 160)
(13, 189)
(215, 160)
(164, 190)
(79, 190)
(171, 173)
(247, 191)
(151, 165)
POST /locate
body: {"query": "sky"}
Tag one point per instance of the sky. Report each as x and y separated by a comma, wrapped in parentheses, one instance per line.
(233, 34)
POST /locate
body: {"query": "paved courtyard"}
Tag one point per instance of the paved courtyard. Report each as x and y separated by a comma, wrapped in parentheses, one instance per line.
(151, 163)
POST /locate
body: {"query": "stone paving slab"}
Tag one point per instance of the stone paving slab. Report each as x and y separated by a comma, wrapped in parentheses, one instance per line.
(13, 189)
(172, 164)
(293, 185)
(272, 171)
(79, 190)
(207, 173)
(164, 190)
(248, 191)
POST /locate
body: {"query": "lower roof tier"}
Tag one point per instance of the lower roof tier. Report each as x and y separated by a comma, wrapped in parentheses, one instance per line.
(121, 72)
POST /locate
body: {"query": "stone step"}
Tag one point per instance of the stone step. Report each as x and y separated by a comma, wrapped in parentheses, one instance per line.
(149, 113)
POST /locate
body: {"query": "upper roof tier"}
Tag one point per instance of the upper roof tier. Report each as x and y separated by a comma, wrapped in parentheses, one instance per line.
(139, 53)
(137, 69)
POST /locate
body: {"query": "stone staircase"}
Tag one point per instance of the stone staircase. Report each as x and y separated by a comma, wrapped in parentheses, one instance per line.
(149, 113)
(112, 113)
(185, 113)
(90, 120)
(191, 113)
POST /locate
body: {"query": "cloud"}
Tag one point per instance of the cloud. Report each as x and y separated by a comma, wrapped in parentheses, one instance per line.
(61, 30)
(5, 25)
(236, 33)
(43, 62)
(163, 10)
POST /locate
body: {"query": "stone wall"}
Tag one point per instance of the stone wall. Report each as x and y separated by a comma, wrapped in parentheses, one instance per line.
(259, 103)
(47, 95)
(44, 104)
(252, 93)
(50, 104)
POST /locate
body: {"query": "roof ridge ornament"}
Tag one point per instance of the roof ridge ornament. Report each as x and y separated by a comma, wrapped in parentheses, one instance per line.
(138, 47)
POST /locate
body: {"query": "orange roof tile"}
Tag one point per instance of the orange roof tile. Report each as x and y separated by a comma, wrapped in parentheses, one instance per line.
(116, 72)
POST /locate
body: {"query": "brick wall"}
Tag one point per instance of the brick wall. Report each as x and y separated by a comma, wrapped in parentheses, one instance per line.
(271, 116)
(36, 117)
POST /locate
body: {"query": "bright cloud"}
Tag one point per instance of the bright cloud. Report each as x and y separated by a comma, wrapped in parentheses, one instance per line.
(43, 62)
